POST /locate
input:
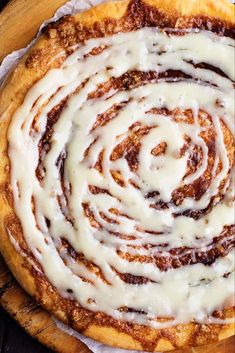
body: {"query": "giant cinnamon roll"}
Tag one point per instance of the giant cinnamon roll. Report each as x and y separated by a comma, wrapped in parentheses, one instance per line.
(117, 157)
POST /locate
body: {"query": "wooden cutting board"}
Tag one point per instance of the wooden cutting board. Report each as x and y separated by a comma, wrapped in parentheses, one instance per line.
(37, 322)
(19, 22)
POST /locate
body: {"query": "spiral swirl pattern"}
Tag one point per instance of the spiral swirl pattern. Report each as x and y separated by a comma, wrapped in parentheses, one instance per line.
(124, 186)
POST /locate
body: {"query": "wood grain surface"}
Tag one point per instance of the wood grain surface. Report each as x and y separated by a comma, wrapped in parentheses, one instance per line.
(19, 22)
(37, 322)
(13, 339)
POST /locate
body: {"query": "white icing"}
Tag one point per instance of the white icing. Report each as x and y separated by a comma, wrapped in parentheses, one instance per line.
(186, 293)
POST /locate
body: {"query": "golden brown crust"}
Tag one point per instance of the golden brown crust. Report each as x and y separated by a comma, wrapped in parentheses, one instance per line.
(58, 38)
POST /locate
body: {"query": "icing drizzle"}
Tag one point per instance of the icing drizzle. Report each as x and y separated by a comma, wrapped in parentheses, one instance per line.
(114, 193)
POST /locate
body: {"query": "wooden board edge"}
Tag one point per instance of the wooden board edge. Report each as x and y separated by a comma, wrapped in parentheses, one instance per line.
(20, 21)
(36, 321)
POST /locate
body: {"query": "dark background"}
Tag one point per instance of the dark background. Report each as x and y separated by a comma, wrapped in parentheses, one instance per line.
(3, 3)
(13, 339)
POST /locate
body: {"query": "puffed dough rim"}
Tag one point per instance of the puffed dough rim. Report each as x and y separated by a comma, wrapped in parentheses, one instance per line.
(11, 96)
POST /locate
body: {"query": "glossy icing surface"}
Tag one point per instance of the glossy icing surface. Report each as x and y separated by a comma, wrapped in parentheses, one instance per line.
(113, 207)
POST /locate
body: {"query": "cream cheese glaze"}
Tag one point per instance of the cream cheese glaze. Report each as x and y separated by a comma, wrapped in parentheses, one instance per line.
(190, 292)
